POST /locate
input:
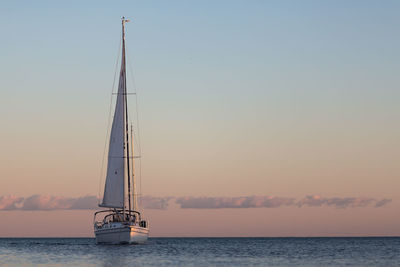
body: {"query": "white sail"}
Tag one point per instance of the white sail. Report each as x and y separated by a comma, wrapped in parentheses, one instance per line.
(114, 188)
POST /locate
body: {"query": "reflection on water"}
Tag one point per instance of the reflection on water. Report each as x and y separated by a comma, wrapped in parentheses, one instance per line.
(201, 251)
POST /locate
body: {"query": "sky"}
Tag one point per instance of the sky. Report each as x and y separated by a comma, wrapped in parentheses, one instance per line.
(267, 118)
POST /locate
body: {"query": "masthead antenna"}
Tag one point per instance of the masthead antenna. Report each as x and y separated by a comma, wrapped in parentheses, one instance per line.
(125, 20)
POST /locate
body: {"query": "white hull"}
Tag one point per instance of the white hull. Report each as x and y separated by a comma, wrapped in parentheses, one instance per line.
(122, 234)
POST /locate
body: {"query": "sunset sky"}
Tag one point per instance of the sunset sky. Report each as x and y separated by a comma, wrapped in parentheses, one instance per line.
(257, 118)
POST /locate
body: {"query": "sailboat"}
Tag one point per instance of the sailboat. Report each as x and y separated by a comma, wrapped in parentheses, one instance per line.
(120, 222)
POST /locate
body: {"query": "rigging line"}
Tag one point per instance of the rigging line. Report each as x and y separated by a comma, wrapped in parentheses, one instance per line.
(136, 99)
(137, 190)
(133, 172)
(136, 195)
(140, 183)
(134, 137)
(137, 121)
(135, 118)
(108, 122)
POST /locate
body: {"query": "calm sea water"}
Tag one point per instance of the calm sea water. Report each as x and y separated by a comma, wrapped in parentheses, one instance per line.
(376, 251)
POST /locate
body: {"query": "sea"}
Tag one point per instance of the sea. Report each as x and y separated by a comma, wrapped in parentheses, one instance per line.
(323, 251)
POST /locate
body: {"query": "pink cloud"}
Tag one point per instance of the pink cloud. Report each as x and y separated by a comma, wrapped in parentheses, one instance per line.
(10, 202)
(274, 202)
(160, 203)
(233, 202)
(43, 202)
(337, 202)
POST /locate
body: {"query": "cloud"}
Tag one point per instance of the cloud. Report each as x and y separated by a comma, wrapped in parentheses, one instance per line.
(382, 202)
(337, 202)
(160, 203)
(83, 203)
(10, 202)
(233, 202)
(274, 202)
(43, 202)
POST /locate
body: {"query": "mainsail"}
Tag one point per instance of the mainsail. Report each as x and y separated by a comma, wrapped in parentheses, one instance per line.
(114, 188)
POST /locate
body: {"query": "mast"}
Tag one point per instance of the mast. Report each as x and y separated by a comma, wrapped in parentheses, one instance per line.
(126, 117)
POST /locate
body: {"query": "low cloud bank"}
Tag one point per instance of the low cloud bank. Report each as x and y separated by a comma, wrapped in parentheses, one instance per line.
(337, 202)
(159, 203)
(274, 202)
(42, 202)
(233, 202)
